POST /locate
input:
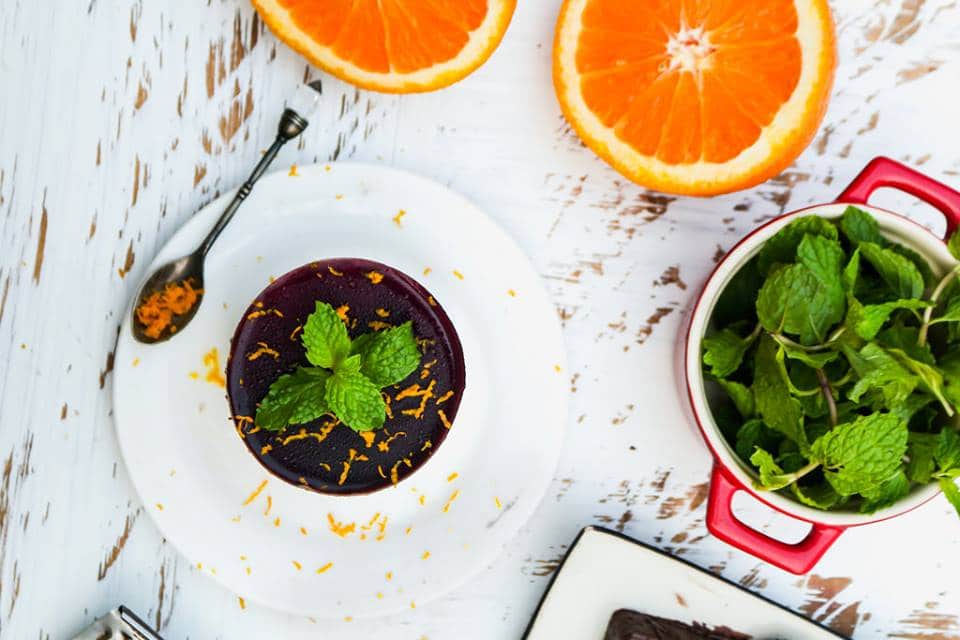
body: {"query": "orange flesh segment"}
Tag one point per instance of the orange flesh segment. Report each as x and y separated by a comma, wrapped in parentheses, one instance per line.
(389, 35)
(748, 64)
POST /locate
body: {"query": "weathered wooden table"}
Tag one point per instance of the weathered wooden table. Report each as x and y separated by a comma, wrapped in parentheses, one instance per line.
(120, 118)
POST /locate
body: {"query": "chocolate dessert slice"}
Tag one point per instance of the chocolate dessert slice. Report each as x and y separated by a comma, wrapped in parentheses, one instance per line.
(632, 625)
(325, 455)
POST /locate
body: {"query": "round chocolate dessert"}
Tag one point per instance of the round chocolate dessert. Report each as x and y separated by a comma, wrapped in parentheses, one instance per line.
(324, 454)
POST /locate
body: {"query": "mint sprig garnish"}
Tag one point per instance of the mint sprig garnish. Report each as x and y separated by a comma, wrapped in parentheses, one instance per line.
(346, 377)
(837, 357)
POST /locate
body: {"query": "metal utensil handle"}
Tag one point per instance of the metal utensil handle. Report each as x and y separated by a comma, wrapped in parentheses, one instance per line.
(291, 125)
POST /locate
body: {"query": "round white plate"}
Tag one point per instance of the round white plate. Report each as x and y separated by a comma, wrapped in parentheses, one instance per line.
(446, 521)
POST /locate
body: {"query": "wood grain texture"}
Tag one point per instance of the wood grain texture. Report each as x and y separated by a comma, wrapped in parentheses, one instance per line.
(120, 118)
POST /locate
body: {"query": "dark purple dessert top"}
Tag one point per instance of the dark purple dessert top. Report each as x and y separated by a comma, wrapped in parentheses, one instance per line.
(632, 625)
(325, 455)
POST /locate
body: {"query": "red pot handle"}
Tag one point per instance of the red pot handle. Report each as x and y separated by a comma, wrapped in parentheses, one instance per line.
(884, 172)
(796, 558)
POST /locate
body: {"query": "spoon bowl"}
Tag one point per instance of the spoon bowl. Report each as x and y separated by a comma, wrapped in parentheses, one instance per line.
(186, 269)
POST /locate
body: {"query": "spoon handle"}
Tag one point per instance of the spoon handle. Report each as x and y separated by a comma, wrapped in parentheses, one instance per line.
(291, 125)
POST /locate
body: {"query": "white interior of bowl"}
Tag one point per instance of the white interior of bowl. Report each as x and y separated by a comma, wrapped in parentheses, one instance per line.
(894, 227)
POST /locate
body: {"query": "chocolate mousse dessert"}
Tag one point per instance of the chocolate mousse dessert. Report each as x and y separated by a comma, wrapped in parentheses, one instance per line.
(345, 376)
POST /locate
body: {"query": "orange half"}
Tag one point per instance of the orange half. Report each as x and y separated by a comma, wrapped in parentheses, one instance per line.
(695, 97)
(395, 46)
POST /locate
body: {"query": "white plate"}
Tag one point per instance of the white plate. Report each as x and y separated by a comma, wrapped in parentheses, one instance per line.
(194, 474)
(606, 571)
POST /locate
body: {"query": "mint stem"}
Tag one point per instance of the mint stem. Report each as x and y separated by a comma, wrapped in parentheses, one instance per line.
(934, 297)
(827, 391)
(787, 342)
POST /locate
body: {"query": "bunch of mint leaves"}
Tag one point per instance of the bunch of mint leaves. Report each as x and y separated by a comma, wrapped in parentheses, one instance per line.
(839, 354)
(346, 376)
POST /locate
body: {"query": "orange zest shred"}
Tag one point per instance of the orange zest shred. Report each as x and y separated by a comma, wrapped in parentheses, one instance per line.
(432, 302)
(445, 397)
(211, 360)
(426, 445)
(414, 391)
(453, 476)
(511, 293)
(398, 217)
(256, 492)
(243, 604)
(341, 529)
(269, 506)
(453, 496)
(374, 276)
(427, 271)
(394, 475)
(259, 313)
(325, 568)
(333, 271)
(156, 311)
(303, 434)
(297, 565)
(383, 313)
(378, 325)
(457, 274)
(386, 401)
(384, 445)
(426, 554)
(380, 471)
(265, 449)
(497, 502)
(293, 171)
(263, 349)
(342, 311)
(368, 437)
(276, 522)
(443, 419)
(293, 334)
(303, 531)
(346, 466)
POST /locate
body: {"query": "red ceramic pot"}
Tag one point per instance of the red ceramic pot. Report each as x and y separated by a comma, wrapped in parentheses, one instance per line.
(730, 474)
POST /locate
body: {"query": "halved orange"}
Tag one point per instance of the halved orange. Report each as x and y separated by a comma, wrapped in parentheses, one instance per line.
(695, 97)
(395, 46)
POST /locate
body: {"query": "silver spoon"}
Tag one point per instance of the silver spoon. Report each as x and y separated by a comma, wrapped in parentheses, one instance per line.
(189, 269)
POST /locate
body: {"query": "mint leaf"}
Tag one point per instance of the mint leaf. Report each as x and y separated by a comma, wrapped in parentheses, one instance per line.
(859, 456)
(898, 272)
(905, 338)
(881, 371)
(772, 398)
(931, 380)
(350, 364)
(739, 295)
(950, 490)
(947, 451)
(741, 396)
(859, 226)
(752, 434)
(782, 247)
(873, 316)
(355, 401)
(851, 272)
(818, 496)
(918, 261)
(294, 398)
(325, 337)
(813, 359)
(390, 355)
(950, 314)
(772, 477)
(953, 244)
(891, 491)
(805, 299)
(920, 451)
(723, 352)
